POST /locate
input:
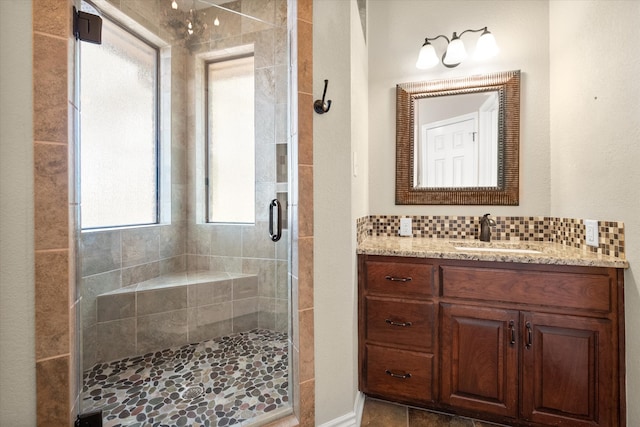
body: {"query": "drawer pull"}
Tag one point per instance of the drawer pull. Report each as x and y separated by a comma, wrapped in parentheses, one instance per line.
(398, 279)
(401, 376)
(394, 323)
(529, 335)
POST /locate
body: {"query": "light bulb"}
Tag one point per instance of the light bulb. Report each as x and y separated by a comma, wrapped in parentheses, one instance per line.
(427, 57)
(216, 22)
(456, 53)
(174, 5)
(486, 47)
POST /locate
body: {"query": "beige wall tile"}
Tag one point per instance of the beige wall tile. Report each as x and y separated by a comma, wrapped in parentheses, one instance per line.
(245, 306)
(51, 196)
(307, 403)
(52, 382)
(140, 246)
(50, 96)
(206, 331)
(305, 10)
(282, 285)
(225, 241)
(256, 242)
(213, 313)
(305, 128)
(305, 277)
(306, 345)
(140, 273)
(305, 58)
(305, 205)
(161, 300)
(52, 303)
(100, 251)
(245, 287)
(210, 293)
(245, 322)
(265, 269)
(89, 346)
(282, 315)
(264, 10)
(90, 288)
(115, 339)
(52, 17)
(163, 330)
(116, 306)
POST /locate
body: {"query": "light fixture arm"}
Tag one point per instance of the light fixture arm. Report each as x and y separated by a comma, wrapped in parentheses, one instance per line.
(428, 39)
(484, 30)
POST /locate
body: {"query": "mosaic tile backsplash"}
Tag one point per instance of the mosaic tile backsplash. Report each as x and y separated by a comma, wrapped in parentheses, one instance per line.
(564, 231)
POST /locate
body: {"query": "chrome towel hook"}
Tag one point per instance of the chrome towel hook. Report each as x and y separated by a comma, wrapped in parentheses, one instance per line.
(320, 106)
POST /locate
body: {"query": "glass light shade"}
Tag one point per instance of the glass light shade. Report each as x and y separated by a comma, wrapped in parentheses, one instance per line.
(486, 47)
(456, 53)
(427, 57)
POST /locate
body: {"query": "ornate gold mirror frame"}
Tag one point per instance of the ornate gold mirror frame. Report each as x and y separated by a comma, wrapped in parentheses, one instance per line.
(507, 84)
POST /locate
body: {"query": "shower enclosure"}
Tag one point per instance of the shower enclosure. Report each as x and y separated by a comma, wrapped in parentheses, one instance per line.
(184, 317)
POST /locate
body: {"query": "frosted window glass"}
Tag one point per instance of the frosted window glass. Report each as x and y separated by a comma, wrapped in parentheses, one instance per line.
(118, 130)
(231, 147)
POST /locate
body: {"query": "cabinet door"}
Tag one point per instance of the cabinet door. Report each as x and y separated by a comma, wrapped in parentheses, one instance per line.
(480, 359)
(567, 371)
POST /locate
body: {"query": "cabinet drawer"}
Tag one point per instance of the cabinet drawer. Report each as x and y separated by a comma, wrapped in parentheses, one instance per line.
(566, 290)
(401, 322)
(399, 278)
(402, 374)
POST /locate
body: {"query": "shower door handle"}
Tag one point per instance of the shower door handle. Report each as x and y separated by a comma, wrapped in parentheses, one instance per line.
(275, 236)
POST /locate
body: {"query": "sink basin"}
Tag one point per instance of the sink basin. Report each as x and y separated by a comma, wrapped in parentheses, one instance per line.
(499, 250)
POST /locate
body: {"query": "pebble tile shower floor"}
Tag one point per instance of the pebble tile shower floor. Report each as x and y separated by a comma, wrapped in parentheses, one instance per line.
(221, 382)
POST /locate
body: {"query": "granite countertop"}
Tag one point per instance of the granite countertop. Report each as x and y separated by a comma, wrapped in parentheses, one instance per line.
(508, 251)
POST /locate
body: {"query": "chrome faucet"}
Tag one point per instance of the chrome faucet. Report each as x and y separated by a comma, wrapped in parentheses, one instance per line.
(485, 230)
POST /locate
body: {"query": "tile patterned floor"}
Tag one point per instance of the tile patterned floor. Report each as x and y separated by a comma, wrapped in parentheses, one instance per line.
(221, 382)
(378, 413)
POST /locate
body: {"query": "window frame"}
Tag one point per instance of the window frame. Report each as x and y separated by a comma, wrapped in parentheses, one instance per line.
(157, 128)
(207, 136)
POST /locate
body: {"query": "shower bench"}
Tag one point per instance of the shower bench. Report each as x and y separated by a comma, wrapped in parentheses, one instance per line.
(176, 309)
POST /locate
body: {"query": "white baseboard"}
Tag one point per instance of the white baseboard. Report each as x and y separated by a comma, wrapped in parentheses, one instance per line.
(352, 419)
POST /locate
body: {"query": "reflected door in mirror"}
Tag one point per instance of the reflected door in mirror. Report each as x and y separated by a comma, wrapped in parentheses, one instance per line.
(457, 141)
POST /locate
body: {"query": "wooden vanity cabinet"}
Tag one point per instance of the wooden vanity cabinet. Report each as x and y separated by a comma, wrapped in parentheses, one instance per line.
(397, 329)
(520, 344)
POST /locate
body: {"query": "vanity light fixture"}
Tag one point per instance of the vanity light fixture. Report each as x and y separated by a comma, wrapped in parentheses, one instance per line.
(456, 53)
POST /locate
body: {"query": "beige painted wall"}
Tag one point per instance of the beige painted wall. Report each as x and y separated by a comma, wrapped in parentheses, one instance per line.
(339, 56)
(595, 135)
(17, 316)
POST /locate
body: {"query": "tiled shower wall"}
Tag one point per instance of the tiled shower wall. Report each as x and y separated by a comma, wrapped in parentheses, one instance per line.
(118, 258)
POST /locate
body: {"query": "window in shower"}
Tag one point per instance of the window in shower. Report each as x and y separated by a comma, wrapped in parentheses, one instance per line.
(230, 178)
(118, 130)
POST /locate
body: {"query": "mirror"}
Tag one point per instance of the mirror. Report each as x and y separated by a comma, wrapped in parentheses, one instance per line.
(457, 141)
